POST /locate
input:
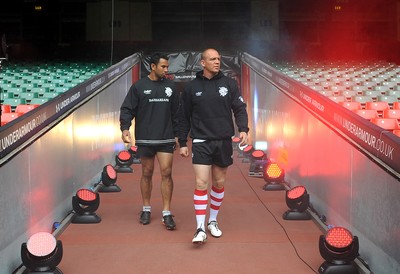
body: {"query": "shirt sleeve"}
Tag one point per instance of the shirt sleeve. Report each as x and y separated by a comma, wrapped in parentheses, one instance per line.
(175, 111)
(185, 111)
(239, 108)
(129, 108)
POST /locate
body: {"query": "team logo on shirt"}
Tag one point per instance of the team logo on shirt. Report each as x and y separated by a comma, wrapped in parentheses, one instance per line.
(241, 99)
(168, 91)
(147, 91)
(198, 94)
(223, 91)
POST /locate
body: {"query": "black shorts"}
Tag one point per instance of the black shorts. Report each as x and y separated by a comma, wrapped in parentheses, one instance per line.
(151, 151)
(213, 152)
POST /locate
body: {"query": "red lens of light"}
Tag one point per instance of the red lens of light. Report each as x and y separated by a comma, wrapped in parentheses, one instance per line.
(112, 174)
(296, 192)
(258, 154)
(339, 237)
(248, 149)
(236, 139)
(124, 155)
(86, 195)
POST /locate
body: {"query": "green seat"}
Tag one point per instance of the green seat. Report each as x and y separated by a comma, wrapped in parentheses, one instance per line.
(51, 95)
(14, 102)
(6, 95)
(41, 90)
(28, 96)
(60, 89)
(39, 101)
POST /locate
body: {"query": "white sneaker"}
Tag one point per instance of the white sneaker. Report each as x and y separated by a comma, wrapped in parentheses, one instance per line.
(214, 229)
(199, 237)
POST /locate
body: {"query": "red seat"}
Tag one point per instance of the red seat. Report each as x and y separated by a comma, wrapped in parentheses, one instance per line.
(386, 123)
(396, 132)
(8, 117)
(351, 105)
(396, 105)
(391, 113)
(367, 113)
(379, 106)
(6, 108)
(25, 108)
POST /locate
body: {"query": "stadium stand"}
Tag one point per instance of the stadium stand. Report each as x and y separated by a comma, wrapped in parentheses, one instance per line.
(36, 83)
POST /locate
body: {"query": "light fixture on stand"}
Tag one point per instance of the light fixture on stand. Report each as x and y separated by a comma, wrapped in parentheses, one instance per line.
(108, 180)
(298, 200)
(273, 176)
(42, 253)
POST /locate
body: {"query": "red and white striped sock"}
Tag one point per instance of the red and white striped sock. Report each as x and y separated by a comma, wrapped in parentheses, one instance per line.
(200, 206)
(217, 195)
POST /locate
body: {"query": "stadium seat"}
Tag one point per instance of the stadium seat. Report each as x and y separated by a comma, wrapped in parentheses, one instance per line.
(14, 102)
(39, 101)
(8, 117)
(372, 93)
(362, 99)
(378, 106)
(6, 108)
(7, 95)
(338, 99)
(395, 93)
(389, 99)
(326, 92)
(391, 113)
(386, 123)
(351, 105)
(368, 114)
(28, 96)
(25, 108)
(396, 132)
(396, 105)
(51, 95)
(349, 93)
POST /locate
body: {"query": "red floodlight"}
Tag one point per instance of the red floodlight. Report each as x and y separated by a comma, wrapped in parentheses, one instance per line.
(42, 253)
(123, 162)
(273, 176)
(258, 154)
(339, 248)
(235, 143)
(247, 151)
(298, 200)
(84, 204)
(108, 180)
(257, 164)
(133, 151)
(240, 150)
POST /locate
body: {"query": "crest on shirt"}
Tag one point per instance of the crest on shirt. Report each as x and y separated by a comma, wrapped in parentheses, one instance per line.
(223, 91)
(241, 99)
(168, 91)
(198, 94)
(147, 91)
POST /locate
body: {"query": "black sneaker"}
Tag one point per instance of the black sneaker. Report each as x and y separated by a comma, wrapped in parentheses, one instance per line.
(145, 217)
(169, 222)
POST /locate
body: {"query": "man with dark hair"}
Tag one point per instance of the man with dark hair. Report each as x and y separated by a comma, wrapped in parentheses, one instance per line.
(207, 105)
(153, 102)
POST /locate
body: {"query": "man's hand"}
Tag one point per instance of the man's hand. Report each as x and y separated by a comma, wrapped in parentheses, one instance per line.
(243, 138)
(126, 136)
(184, 151)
